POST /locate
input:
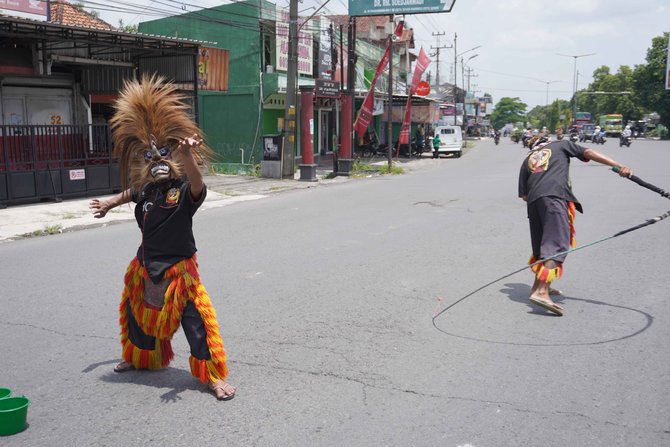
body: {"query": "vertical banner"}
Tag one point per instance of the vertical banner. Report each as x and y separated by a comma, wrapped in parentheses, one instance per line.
(421, 64)
(325, 50)
(365, 113)
(667, 68)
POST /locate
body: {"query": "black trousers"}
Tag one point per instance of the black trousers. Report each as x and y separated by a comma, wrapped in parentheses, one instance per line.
(191, 322)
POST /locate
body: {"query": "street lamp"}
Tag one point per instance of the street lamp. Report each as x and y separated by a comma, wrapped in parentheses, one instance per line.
(574, 81)
(547, 82)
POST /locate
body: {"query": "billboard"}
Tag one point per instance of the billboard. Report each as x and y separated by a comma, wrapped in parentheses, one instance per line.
(387, 7)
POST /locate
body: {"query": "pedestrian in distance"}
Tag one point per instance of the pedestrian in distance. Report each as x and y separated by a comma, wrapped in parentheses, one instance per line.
(544, 183)
(420, 136)
(436, 145)
(160, 147)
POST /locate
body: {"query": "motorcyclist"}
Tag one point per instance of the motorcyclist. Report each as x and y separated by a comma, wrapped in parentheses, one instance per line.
(527, 135)
(574, 134)
(626, 134)
(602, 136)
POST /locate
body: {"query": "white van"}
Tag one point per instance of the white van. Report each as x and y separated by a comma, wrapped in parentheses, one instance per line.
(451, 140)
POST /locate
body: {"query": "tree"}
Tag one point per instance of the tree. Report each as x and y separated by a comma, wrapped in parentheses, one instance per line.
(617, 101)
(649, 80)
(550, 116)
(508, 110)
(127, 28)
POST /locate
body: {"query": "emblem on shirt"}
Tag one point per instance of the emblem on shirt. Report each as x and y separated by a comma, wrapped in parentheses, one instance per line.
(172, 197)
(538, 161)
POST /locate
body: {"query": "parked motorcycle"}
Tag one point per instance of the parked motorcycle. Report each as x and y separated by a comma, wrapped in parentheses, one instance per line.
(624, 141)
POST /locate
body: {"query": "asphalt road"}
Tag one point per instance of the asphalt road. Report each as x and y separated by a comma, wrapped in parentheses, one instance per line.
(325, 298)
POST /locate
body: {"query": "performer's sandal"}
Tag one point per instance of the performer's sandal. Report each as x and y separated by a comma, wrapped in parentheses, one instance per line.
(123, 367)
(222, 390)
(551, 307)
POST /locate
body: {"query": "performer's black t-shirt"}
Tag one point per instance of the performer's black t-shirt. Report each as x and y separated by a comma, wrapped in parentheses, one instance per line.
(546, 171)
(164, 213)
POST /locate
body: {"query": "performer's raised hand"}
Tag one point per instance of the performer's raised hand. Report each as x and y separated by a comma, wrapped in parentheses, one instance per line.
(190, 142)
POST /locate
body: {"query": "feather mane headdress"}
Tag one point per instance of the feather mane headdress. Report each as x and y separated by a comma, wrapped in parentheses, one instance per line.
(151, 109)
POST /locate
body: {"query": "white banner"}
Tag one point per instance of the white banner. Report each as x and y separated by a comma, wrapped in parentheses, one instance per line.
(304, 44)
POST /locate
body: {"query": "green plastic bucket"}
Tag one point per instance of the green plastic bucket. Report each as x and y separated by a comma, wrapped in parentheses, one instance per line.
(13, 415)
(5, 392)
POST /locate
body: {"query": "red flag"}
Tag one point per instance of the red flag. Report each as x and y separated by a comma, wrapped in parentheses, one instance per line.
(365, 113)
(421, 65)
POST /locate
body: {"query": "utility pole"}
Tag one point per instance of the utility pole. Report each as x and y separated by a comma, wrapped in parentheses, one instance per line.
(288, 149)
(437, 56)
(389, 122)
(455, 83)
(470, 75)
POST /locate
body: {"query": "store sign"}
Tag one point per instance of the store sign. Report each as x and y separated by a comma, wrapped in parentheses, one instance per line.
(387, 7)
(327, 89)
(423, 88)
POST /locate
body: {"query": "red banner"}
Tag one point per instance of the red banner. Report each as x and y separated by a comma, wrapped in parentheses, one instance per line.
(421, 65)
(365, 113)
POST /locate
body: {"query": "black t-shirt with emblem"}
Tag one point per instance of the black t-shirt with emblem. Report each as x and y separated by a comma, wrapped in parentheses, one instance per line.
(164, 213)
(546, 171)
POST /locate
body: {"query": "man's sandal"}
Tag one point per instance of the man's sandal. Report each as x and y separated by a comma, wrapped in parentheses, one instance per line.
(222, 390)
(548, 305)
(123, 367)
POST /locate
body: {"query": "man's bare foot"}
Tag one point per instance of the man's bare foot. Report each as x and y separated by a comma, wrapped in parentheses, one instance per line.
(123, 367)
(222, 390)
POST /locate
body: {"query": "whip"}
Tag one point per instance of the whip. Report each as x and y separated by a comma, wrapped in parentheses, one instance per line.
(648, 222)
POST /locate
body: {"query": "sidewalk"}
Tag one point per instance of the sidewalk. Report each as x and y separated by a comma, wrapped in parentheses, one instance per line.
(39, 219)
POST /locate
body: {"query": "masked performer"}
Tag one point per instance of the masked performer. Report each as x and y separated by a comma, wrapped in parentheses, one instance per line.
(544, 183)
(159, 147)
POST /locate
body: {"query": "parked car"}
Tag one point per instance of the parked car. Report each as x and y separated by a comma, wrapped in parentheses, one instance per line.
(586, 132)
(451, 140)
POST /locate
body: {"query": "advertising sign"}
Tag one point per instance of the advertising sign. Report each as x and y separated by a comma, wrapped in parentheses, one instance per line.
(213, 69)
(37, 7)
(388, 7)
(304, 44)
(325, 50)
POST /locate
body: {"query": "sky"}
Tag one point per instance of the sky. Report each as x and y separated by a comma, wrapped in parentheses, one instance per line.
(519, 40)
